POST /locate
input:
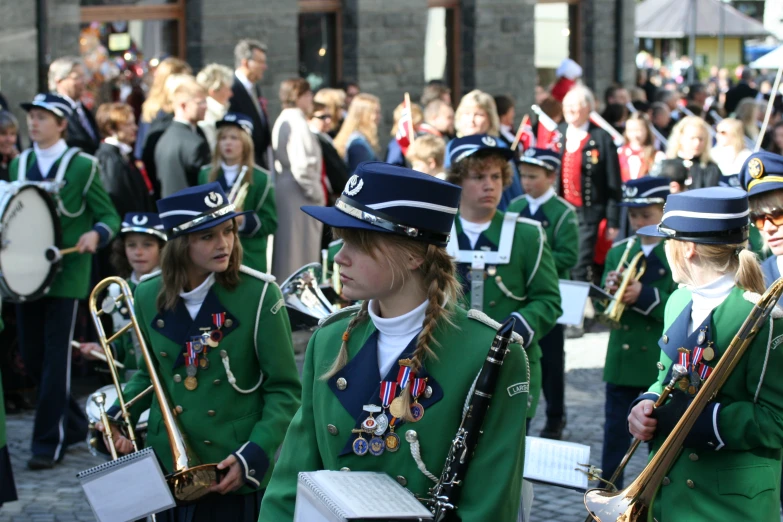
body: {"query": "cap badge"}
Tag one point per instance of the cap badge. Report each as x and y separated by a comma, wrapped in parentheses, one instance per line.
(353, 186)
(213, 199)
(530, 153)
(630, 192)
(139, 220)
(755, 168)
(230, 117)
(489, 141)
(39, 98)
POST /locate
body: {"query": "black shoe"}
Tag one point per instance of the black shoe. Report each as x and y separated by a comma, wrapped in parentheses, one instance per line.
(40, 462)
(553, 429)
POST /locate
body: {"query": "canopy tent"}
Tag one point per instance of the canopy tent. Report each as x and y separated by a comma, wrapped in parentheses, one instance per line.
(664, 19)
(771, 60)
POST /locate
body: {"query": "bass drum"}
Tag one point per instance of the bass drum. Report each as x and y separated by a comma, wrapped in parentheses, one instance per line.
(29, 227)
(94, 416)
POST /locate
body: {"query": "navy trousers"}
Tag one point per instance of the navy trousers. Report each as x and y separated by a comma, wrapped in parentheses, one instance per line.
(617, 439)
(553, 372)
(45, 335)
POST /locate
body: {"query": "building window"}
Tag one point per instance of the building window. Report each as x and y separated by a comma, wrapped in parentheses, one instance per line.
(441, 44)
(320, 42)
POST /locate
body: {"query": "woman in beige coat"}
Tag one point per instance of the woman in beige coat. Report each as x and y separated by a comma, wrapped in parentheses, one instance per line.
(298, 182)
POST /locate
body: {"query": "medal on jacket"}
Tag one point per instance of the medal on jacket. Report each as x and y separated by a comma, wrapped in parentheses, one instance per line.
(216, 335)
(704, 371)
(397, 409)
(388, 390)
(594, 156)
(684, 359)
(369, 424)
(709, 351)
(392, 440)
(376, 446)
(417, 410)
(203, 361)
(191, 383)
(360, 446)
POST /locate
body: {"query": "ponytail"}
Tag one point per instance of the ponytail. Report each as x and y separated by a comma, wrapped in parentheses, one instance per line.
(342, 356)
(724, 259)
(749, 275)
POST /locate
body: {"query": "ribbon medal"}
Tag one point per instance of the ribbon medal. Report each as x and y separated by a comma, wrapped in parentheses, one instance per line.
(704, 371)
(360, 446)
(388, 390)
(214, 337)
(403, 377)
(417, 410)
(392, 440)
(191, 383)
(369, 424)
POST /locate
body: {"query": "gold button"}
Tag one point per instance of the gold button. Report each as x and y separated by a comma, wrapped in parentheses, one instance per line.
(332, 429)
(124, 311)
(626, 347)
(345, 469)
(693, 457)
(164, 354)
(177, 378)
(660, 365)
(666, 481)
(665, 339)
(644, 348)
(229, 323)
(690, 483)
(216, 382)
(211, 413)
(160, 323)
(428, 392)
(342, 383)
(402, 481)
(626, 327)
(178, 409)
(492, 304)
(207, 442)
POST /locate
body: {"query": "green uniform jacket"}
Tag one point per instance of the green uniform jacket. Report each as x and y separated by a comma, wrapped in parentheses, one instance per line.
(320, 435)
(217, 419)
(633, 353)
(82, 205)
(254, 234)
(525, 287)
(734, 469)
(558, 218)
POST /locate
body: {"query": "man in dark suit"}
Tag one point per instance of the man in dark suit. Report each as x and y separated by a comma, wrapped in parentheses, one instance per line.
(182, 149)
(742, 90)
(250, 62)
(590, 176)
(66, 78)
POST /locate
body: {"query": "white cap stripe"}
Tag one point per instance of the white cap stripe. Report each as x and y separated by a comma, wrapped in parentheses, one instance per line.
(180, 213)
(414, 204)
(664, 189)
(703, 215)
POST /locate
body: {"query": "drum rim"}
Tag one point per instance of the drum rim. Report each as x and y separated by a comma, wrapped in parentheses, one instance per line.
(5, 290)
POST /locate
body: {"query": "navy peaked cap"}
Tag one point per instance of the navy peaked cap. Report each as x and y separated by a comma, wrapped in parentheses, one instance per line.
(195, 208)
(461, 148)
(51, 102)
(645, 191)
(143, 223)
(762, 172)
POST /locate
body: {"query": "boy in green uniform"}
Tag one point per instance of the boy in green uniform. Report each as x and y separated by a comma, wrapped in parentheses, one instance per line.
(233, 156)
(729, 464)
(88, 221)
(633, 352)
(539, 169)
(503, 260)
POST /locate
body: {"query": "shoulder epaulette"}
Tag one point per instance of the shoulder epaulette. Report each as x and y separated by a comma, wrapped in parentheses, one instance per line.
(339, 314)
(258, 275)
(206, 167)
(484, 318)
(753, 297)
(335, 242)
(155, 273)
(262, 169)
(529, 221)
(87, 156)
(516, 199)
(566, 203)
(621, 241)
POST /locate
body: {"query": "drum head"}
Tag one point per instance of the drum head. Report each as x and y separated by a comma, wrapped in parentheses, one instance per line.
(30, 227)
(94, 414)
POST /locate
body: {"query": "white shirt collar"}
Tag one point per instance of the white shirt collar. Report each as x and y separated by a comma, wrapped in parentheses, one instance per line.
(708, 297)
(536, 203)
(195, 297)
(230, 173)
(125, 149)
(244, 81)
(45, 158)
(406, 324)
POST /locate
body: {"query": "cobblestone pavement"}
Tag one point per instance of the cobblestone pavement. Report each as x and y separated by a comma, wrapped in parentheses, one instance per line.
(56, 495)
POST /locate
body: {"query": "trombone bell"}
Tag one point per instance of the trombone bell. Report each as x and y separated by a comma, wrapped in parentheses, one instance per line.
(303, 298)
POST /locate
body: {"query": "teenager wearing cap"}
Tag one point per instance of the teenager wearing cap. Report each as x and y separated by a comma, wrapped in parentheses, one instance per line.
(503, 260)
(134, 254)
(539, 170)
(88, 221)
(632, 352)
(396, 224)
(232, 159)
(221, 340)
(729, 467)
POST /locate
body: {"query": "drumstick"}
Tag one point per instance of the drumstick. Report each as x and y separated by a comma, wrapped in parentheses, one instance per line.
(98, 355)
(70, 250)
(525, 121)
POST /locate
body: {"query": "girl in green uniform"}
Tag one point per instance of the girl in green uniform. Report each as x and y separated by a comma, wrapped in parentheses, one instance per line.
(402, 362)
(232, 163)
(729, 468)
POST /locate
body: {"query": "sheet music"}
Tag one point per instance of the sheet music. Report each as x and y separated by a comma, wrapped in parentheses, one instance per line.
(555, 462)
(573, 296)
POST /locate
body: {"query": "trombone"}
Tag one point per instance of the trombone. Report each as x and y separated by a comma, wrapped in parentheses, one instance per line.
(615, 308)
(189, 480)
(634, 503)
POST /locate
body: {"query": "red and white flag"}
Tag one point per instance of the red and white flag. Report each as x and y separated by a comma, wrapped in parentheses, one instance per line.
(405, 131)
(525, 137)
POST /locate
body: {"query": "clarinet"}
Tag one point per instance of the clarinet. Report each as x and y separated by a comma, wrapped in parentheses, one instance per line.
(446, 493)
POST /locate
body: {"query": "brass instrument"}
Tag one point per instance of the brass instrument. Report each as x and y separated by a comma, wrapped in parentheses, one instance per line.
(634, 503)
(615, 308)
(190, 479)
(239, 190)
(304, 300)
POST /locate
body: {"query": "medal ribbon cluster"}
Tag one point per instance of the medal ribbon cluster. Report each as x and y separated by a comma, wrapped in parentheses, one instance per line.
(197, 350)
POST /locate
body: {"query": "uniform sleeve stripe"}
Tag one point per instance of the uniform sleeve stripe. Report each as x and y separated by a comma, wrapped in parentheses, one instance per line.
(532, 332)
(652, 305)
(245, 466)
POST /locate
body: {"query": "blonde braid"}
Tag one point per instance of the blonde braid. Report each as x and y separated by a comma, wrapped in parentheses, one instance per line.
(342, 356)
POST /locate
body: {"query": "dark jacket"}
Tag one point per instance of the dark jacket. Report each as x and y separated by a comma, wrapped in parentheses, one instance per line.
(703, 177)
(153, 133)
(123, 181)
(262, 137)
(179, 155)
(336, 169)
(601, 181)
(77, 136)
(736, 94)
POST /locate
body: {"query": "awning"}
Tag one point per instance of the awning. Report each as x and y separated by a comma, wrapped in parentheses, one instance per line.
(771, 60)
(664, 19)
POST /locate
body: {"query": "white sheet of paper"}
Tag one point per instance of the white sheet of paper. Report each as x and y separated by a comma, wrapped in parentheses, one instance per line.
(556, 462)
(573, 296)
